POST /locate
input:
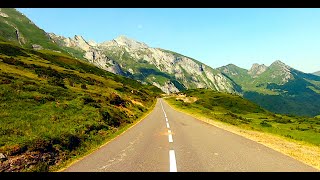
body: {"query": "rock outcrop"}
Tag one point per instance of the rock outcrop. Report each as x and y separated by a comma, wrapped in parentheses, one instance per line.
(137, 60)
(37, 47)
(257, 69)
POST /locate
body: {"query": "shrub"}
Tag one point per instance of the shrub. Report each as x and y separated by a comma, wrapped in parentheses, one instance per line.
(57, 82)
(116, 100)
(265, 124)
(88, 99)
(83, 86)
(283, 121)
(110, 120)
(71, 82)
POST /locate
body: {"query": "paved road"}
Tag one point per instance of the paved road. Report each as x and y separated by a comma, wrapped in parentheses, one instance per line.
(169, 141)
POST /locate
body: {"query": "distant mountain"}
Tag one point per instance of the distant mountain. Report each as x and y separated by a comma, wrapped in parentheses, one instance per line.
(317, 73)
(169, 71)
(278, 88)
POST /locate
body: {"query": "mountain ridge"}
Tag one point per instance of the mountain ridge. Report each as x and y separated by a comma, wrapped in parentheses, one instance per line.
(174, 72)
(317, 73)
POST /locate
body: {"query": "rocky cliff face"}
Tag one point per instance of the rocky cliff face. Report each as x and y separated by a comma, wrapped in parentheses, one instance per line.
(91, 53)
(167, 70)
(257, 69)
(281, 72)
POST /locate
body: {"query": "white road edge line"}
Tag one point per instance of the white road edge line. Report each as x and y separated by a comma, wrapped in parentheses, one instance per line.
(173, 164)
(170, 138)
(168, 125)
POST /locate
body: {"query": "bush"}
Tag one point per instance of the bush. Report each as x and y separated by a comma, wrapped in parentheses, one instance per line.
(265, 124)
(41, 167)
(283, 121)
(110, 120)
(57, 82)
(116, 100)
(88, 99)
(83, 86)
(71, 82)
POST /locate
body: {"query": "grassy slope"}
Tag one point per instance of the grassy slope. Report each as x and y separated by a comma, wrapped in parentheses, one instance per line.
(237, 111)
(295, 136)
(247, 83)
(300, 96)
(143, 70)
(29, 32)
(59, 108)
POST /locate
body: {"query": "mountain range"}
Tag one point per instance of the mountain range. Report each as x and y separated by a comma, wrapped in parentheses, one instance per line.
(278, 87)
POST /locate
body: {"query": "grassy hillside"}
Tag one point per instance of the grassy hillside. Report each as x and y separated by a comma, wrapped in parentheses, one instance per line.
(144, 71)
(299, 96)
(54, 108)
(29, 33)
(235, 110)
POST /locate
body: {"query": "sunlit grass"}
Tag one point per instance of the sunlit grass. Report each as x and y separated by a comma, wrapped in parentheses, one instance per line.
(46, 107)
(298, 137)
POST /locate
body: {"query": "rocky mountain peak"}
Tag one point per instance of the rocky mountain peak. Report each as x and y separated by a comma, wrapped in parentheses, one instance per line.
(279, 63)
(229, 69)
(92, 43)
(281, 70)
(257, 69)
(78, 38)
(81, 43)
(231, 65)
(133, 44)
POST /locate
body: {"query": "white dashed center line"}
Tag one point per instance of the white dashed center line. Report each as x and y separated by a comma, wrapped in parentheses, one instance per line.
(172, 156)
(173, 164)
(170, 138)
(168, 125)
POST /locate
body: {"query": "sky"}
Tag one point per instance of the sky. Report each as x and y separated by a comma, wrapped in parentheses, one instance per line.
(213, 36)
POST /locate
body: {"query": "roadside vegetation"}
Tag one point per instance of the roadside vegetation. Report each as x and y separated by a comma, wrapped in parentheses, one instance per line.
(229, 110)
(54, 108)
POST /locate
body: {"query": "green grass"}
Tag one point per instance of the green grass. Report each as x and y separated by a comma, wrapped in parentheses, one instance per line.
(58, 106)
(299, 96)
(30, 34)
(235, 110)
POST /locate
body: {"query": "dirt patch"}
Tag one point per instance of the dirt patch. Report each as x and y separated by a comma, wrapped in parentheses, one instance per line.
(137, 102)
(187, 99)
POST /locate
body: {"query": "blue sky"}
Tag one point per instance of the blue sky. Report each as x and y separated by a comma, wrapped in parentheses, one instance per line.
(214, 36)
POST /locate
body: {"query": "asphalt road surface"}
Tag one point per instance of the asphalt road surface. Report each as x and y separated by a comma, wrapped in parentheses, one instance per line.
(170, 141)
